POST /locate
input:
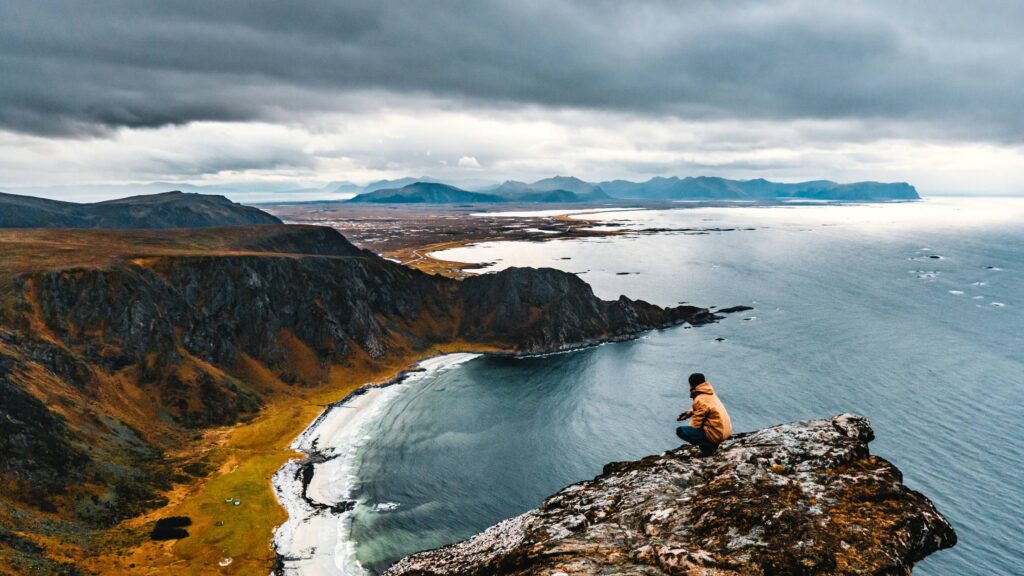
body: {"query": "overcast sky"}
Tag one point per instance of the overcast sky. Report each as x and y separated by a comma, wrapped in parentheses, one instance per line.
(120, 91)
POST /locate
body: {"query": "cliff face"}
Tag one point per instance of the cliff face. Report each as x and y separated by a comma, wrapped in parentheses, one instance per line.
(34, 442)
(801, 498)
(104, 367)
(540, 310)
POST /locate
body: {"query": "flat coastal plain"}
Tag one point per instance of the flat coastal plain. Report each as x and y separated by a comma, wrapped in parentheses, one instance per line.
(410, 234)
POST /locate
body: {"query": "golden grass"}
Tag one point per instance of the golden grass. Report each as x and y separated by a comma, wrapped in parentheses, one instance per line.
(301, 359)
(418, 257)
(246, 456)
(24, 250)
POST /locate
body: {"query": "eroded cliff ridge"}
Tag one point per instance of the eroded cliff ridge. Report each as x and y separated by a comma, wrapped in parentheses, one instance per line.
(801, 498)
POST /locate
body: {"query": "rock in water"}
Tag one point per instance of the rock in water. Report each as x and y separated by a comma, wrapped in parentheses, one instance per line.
(801, 498)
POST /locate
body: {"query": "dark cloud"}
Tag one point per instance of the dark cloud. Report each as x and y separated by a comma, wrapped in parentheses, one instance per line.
(954, 69)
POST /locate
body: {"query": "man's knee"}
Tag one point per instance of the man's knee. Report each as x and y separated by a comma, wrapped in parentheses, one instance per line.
(696, 437)
(690, 434)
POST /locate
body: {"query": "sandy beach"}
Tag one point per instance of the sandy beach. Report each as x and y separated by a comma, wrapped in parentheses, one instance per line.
(316, 490)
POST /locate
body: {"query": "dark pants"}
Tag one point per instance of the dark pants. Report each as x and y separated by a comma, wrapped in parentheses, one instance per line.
(698, 438)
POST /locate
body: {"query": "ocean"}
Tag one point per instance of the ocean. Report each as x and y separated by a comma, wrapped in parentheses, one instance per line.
(911, 314)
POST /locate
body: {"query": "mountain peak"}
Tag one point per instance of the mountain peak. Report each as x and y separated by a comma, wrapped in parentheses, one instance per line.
(173, 209)
(425, 193)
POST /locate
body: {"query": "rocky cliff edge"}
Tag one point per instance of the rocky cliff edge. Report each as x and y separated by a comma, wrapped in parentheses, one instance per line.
(800, 498)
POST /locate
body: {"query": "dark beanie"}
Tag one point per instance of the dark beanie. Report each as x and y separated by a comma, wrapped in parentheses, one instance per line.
(696, 379)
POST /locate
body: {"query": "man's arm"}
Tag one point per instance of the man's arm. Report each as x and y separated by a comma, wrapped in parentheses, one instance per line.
(685, 415)
(700, 413)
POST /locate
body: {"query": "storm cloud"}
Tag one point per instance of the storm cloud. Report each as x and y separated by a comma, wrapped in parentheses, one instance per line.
(946, 70)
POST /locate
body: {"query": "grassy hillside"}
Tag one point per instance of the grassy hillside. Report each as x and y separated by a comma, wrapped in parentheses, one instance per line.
(151, 374)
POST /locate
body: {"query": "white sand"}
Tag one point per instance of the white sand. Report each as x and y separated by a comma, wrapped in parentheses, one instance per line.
(316, 542)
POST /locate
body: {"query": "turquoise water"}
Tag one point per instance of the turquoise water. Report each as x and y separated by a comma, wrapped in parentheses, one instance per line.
(851, 314)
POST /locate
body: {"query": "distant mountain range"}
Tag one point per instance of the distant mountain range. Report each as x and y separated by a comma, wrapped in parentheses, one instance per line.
(712, 188)
(166, 210)
(558, 189)
(426, 193)
(436, 193)
(557, 183)
(568, 189)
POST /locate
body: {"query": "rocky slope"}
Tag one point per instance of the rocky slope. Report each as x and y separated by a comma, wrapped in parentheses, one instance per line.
(106, 365)
(166, 210)
(802, 498)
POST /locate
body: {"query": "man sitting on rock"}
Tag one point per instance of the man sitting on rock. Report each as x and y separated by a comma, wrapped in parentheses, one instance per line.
(710, 425)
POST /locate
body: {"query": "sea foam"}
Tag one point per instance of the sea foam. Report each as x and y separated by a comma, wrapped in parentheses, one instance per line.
(316, 538)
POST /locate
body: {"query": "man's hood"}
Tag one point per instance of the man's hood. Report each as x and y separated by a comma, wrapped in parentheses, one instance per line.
(704, 388)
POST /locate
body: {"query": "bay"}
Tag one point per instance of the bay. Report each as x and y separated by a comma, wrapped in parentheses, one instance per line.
(911, 314)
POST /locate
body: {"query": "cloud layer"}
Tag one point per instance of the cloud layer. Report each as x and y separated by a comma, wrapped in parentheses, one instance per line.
(939, 72)
(71, 65)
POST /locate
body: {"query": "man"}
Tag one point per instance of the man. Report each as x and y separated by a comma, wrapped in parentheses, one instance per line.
(710, 425)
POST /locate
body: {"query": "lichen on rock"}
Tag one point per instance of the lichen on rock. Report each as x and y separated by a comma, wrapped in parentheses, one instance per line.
(800, 498)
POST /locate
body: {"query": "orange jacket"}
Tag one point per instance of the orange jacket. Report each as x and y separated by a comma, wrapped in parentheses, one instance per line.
(709, 413)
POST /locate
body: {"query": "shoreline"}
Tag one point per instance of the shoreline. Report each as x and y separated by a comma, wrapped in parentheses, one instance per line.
(428, 257)
(248, 458)
(562, 226)
(315, 539)
(316, 490)
(408, 235)
(411, 233)
(253, 454)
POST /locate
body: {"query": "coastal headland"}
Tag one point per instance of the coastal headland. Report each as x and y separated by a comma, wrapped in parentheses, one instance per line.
(157, 375)
(162, 386)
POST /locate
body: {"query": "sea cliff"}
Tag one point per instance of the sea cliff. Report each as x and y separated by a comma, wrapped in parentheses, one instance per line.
(120, 351)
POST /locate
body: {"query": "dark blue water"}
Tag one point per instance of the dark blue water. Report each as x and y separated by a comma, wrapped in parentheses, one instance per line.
(851, 314)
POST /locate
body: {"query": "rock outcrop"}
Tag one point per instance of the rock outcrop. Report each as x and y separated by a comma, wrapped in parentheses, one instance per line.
(801, 498)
